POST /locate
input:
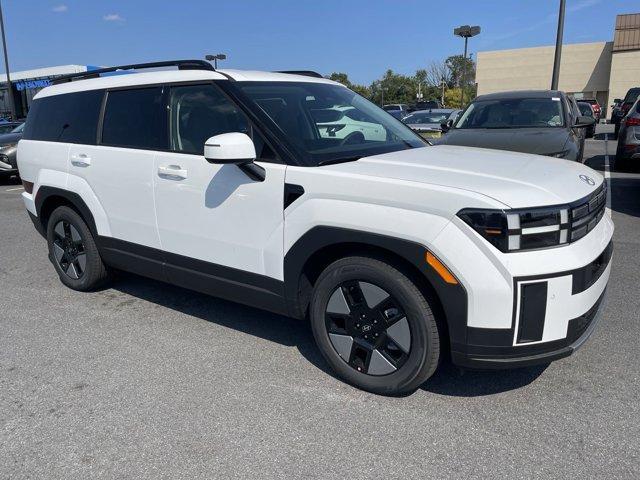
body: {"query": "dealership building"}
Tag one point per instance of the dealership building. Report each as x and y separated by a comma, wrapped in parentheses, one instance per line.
(25, 84)
(601, 70)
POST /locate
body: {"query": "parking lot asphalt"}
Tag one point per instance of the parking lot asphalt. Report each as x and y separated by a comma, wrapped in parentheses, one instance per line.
(144, 380)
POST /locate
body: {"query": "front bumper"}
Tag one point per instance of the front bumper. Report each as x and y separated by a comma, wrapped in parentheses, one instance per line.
(495, 357)
(524, 308)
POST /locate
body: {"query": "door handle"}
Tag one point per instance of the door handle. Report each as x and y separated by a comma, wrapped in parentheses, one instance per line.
(172, 172)
(81, 160)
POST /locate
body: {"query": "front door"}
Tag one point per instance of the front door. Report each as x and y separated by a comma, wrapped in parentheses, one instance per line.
(217, 226)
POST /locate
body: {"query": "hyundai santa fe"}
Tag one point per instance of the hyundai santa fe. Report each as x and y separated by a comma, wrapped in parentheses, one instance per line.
(399, 254)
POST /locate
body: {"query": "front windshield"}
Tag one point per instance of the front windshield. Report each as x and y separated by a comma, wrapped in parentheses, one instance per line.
(427, 117)
(18, 129)
(513, 113)
(328, 123)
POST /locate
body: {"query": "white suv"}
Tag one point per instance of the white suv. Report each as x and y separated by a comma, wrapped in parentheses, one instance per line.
(398, 253)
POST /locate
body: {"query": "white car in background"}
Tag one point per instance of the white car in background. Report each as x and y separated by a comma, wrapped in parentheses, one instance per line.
(348, 124)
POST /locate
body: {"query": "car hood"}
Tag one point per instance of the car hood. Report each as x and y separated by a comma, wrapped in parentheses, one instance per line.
(527, 140)
(516, 180)
(10, 138)
(432, 126)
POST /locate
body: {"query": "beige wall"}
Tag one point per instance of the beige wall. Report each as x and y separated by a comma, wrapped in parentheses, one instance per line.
(625, 73)
(584, 68)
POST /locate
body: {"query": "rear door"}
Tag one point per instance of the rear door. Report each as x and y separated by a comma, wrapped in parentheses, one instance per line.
(119, 168)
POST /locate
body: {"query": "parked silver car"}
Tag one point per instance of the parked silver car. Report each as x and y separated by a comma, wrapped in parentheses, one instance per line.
(428, 123)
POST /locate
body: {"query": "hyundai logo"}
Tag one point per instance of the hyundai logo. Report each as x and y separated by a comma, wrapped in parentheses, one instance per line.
(587, 180)
(366, 328)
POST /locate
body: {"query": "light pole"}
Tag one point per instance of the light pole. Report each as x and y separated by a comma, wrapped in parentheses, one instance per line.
(215, 58)
(466, 32)
(12, 106)
(556, 61)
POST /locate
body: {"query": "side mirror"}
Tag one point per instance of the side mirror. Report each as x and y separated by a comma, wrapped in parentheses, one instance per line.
(584, 122)
(446, 126)
(234, 148)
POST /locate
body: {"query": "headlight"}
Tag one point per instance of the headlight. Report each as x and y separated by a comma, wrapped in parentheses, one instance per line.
(528, 229)
(511, 230)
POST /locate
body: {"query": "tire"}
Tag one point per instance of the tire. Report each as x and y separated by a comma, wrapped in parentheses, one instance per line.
(73, 251)
(392, 363)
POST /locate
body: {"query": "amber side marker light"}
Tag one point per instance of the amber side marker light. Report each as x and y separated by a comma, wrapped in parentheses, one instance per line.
(439, 267)
(28, 186)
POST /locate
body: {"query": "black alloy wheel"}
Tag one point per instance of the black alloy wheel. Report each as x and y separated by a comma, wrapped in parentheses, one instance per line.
(368, 328)
(73, 250)
(69, 250)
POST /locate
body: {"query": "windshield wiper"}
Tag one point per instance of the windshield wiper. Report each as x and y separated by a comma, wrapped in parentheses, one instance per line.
(333, 161)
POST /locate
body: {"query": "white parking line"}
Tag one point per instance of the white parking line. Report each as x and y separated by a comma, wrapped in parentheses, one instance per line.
(607, 173)
(13, 189)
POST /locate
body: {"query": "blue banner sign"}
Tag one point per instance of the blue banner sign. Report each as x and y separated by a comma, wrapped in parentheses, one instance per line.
(30, 84)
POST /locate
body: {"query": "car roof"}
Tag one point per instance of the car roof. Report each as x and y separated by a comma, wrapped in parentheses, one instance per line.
(173, 76)
(520, 94)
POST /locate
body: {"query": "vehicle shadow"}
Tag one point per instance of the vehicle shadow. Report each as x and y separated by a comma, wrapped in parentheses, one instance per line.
(455, 382)
(7, 180)
(596, 162)
(251, 321)
(448, 379)
(625, 194)
(601, 136)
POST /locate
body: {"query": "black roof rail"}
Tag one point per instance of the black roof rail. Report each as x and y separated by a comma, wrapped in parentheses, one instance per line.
(181, 64)
(306, 73)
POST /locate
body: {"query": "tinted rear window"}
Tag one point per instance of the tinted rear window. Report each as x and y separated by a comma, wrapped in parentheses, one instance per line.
(72, 118)
(632, 95)
(134, 118)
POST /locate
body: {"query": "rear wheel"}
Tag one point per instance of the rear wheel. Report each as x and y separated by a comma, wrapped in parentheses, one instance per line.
(73, 251)
(374, 326)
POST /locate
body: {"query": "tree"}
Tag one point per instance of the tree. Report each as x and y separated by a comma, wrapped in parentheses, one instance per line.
(438, 71)
(462, 71)
(343, 78)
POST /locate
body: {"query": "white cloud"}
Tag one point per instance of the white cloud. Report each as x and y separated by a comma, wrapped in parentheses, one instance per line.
(581, 5)
(60, 9)
(113, 17)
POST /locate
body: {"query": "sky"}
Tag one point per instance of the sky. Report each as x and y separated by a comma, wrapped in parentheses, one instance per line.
(362, 38)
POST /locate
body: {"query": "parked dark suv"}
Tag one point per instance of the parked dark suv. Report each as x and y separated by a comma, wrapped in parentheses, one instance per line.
(623, 108)
(544, 122)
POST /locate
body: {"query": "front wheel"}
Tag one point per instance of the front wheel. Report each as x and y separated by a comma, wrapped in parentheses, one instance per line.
(374, 326)
(73, 251)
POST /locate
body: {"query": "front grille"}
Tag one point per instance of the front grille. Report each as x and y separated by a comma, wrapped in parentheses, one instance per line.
(586, 213)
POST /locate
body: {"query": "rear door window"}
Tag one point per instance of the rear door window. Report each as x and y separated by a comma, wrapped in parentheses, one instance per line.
(134, 118)
(71, 118)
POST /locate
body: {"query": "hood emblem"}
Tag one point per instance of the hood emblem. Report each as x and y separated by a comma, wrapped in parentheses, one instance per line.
(587, 180)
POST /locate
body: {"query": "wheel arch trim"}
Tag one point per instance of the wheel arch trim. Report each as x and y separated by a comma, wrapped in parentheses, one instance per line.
(45, 193)
(453, 298)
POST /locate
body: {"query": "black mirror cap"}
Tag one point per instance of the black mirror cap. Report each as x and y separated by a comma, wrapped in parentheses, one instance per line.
(584, 122)
(224, 161)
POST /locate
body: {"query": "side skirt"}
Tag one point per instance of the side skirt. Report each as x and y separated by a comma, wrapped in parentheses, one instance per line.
(220, 281)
